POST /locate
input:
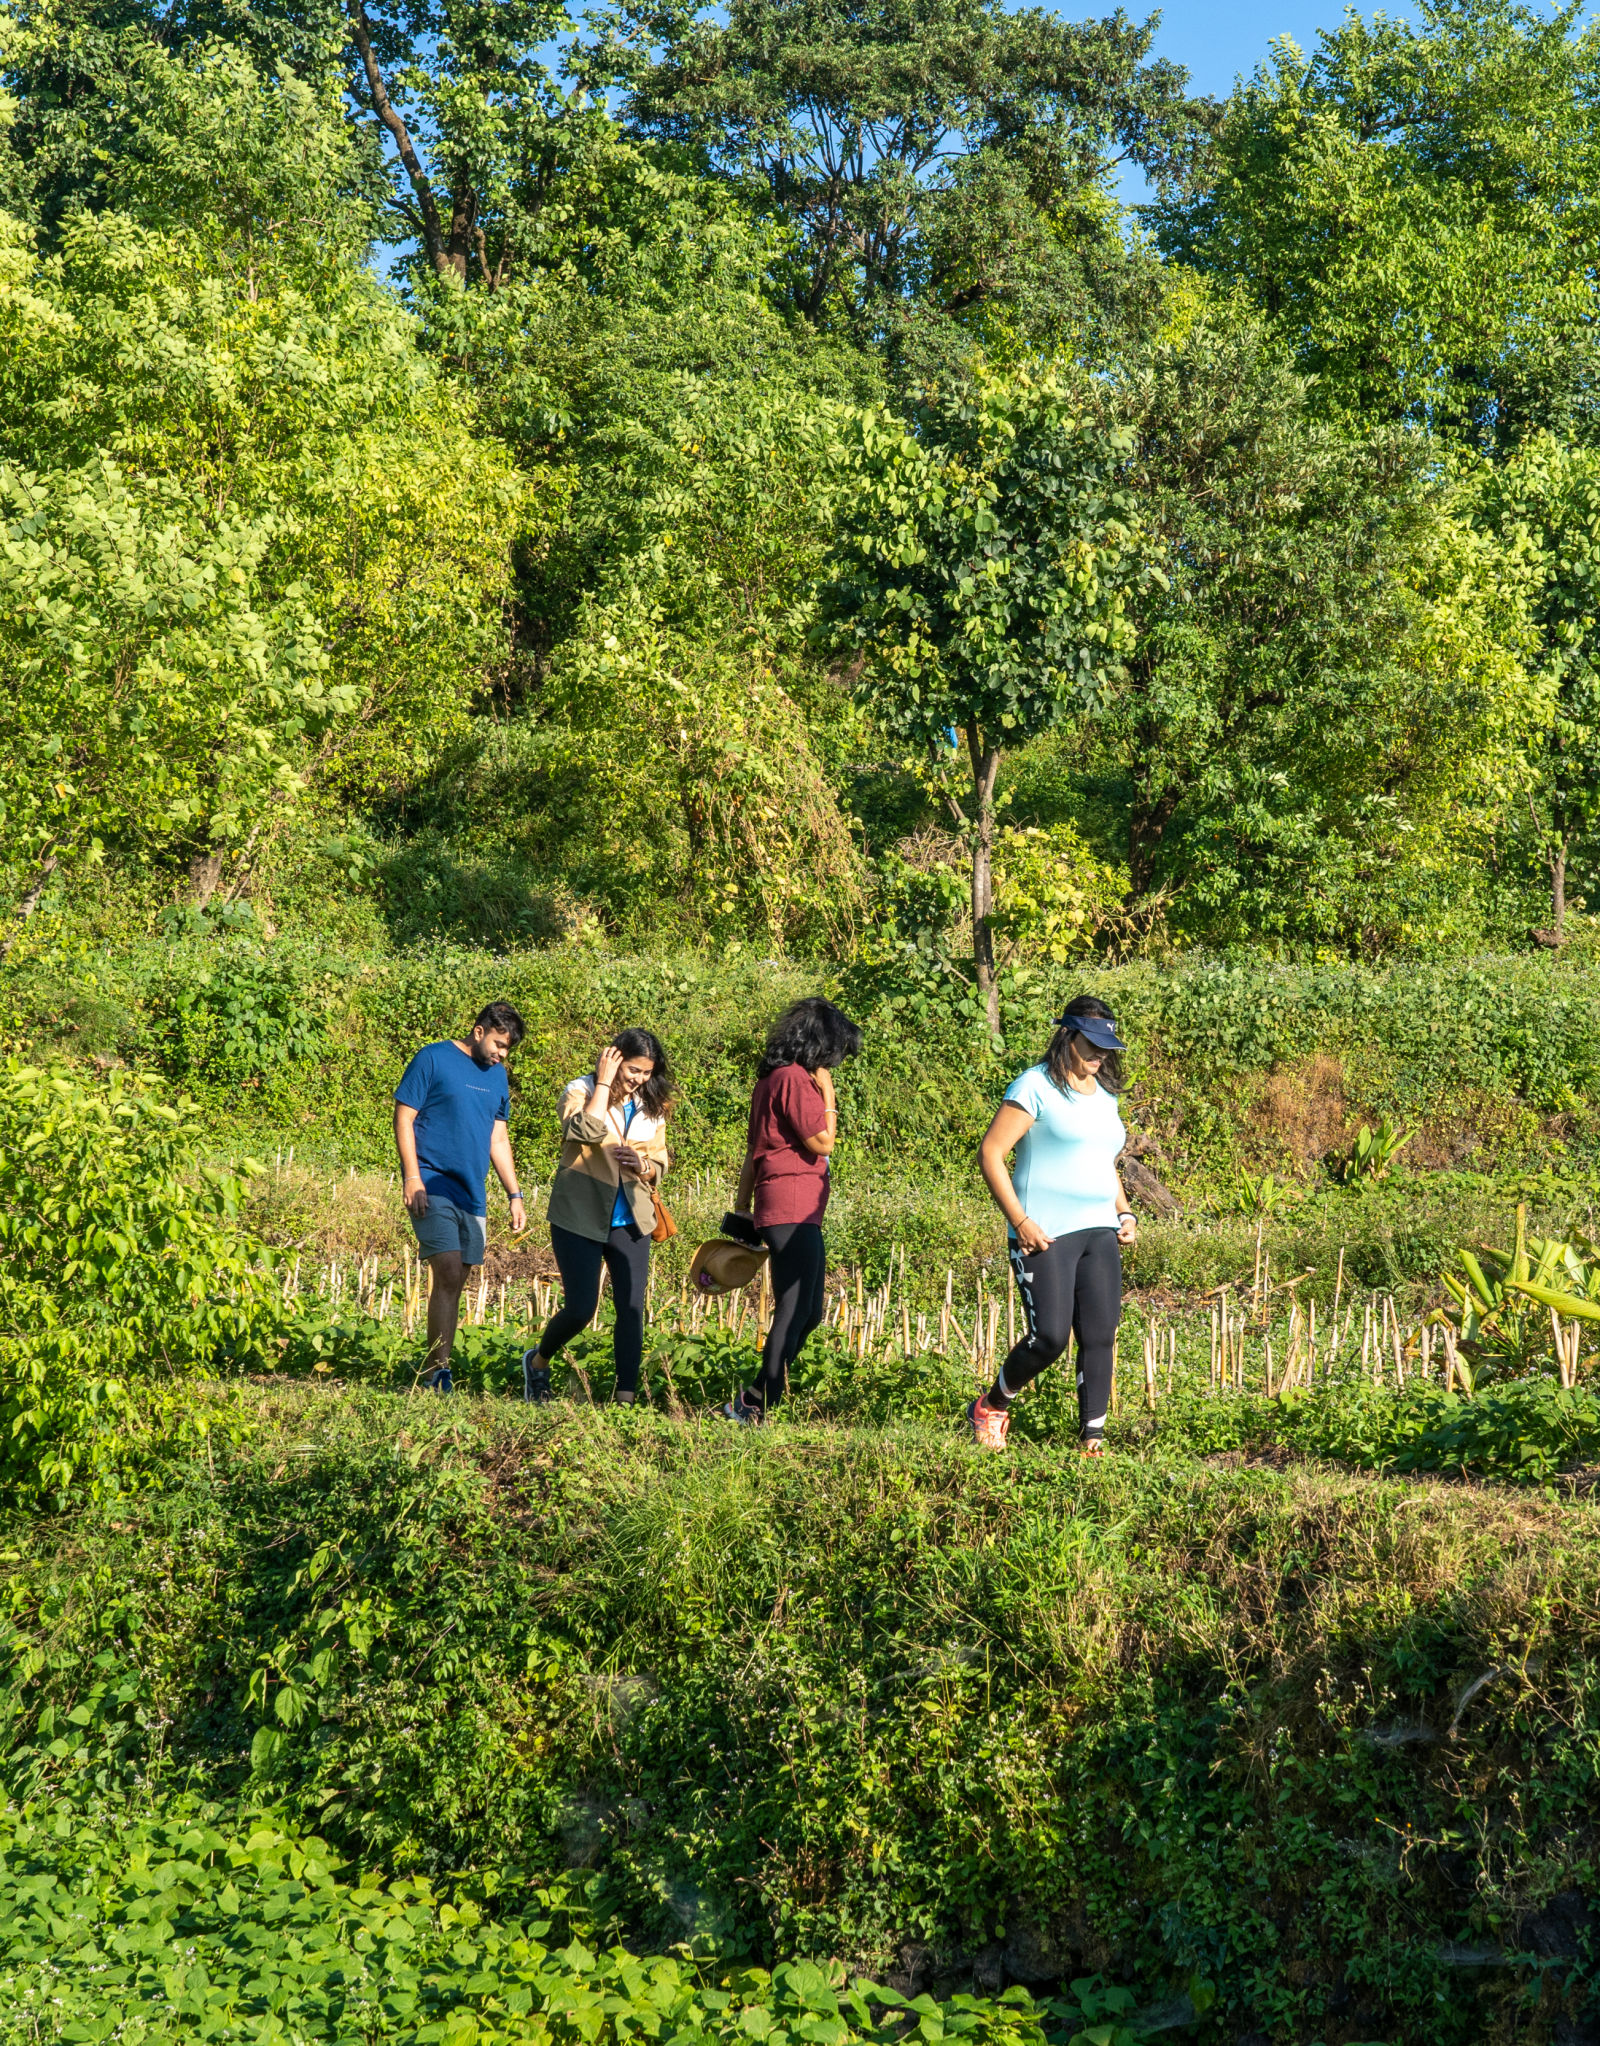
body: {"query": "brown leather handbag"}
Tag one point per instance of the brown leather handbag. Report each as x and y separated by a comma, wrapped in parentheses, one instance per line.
(665, 1226)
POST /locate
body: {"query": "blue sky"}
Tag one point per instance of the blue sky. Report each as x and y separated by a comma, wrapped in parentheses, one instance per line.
(1218, 42)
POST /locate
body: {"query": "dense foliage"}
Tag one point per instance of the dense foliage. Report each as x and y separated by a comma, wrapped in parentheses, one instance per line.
(652, 515)
(507, 570)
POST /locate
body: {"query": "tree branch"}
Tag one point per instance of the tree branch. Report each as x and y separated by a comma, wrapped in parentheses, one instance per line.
(383, 107)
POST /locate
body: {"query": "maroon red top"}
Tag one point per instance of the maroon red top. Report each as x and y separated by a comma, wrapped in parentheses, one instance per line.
(791, 1184)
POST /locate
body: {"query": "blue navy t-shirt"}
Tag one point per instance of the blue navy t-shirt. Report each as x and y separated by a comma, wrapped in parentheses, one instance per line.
(458, 1103)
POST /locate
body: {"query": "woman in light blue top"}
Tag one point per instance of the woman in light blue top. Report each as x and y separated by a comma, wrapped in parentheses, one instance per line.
(1068, 1216)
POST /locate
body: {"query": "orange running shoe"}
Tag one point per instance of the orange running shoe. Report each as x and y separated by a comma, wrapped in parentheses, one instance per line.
(988, 1424)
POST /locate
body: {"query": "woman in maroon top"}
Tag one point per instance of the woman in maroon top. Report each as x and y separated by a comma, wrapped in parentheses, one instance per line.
(784, 1183)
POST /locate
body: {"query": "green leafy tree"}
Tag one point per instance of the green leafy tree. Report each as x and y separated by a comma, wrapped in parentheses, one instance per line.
(153, 689)
(115, 100)
(457, 134)
(1543, 507)
(1319, 620)
(684, 420)
(245, 413)
(943, 166)
(985, 557)
(1411, 207)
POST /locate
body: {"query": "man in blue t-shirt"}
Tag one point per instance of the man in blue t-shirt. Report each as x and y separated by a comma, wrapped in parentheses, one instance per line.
(452, 1109)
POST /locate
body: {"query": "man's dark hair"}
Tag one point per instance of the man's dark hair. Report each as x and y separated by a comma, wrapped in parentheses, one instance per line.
(501, 1016)
(810, 1033)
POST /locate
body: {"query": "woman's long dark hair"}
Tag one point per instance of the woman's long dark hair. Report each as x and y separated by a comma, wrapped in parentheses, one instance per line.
(655, 1096)
(1058, 1059)
(809, 1033)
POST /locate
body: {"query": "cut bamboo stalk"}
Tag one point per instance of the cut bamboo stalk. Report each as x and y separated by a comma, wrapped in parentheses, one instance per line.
(1338, 1288)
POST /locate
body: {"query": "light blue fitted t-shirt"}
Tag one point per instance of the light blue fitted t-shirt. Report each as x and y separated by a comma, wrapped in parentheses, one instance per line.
(1066, 1170)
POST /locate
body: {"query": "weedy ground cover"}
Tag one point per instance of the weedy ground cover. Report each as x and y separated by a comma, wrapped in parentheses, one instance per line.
(860, 1695)
(187, 1927)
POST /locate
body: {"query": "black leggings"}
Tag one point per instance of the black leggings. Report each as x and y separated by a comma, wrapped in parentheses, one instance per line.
(799, 1270)
(626, 1255)
(1073, 1288)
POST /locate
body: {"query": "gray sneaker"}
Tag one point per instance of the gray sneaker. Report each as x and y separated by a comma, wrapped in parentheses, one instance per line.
(535, 1379)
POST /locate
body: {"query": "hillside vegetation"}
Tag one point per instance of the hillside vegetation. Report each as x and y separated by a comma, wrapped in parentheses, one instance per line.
(1312, 1745)
(648, 516)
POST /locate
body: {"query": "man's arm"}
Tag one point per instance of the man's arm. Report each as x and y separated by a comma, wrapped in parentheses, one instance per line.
(500, 1158)
(413, 1192)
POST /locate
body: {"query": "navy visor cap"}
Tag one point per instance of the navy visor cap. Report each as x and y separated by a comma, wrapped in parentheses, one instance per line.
(1098, 1029)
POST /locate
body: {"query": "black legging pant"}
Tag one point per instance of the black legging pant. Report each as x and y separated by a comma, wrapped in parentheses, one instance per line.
(1072, 1288)
(626, 1256)
(799, 1269)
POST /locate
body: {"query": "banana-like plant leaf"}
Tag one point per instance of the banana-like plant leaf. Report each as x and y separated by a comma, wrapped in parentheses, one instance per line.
(1486, 1293)
(1571, 1304)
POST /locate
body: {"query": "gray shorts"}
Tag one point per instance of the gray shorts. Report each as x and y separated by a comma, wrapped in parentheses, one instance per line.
(445, 1228)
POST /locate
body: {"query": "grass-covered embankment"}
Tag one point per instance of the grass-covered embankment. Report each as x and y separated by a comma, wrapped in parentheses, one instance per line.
(1494, 1063)
(1324, 1741)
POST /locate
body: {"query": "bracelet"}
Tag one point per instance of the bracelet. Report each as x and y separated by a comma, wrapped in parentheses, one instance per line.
(515, 1194)
(1126, 1215)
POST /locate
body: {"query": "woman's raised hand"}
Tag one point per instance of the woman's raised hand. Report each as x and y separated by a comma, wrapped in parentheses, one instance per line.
(824, 1080)
(631, 1162)
(607, 1066)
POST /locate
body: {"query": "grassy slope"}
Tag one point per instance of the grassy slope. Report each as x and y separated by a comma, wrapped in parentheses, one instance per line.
(867, 1695)
(1495, 1064)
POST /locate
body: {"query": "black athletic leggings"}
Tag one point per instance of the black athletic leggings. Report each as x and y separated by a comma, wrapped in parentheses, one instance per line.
(799, 1269)
(1073, 1288)
(626, 1256)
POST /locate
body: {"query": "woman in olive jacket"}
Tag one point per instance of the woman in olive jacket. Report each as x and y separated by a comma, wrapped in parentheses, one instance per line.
(602, 1206)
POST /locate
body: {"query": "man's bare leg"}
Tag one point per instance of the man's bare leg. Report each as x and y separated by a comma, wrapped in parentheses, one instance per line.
(444, 1309)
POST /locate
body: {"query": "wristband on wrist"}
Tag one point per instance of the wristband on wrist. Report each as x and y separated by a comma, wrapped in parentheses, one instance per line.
(515, 1194)
(1126, 1215)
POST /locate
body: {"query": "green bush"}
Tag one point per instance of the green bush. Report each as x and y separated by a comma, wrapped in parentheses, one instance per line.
(120, 1259)
(235, 1013)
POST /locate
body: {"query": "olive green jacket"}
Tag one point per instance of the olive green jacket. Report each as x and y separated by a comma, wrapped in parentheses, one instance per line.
(584, 1193)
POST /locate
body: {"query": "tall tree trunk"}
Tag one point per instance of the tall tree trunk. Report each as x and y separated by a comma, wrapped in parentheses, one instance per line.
(30, 901)
(985, 766)
(463, 222)
(205, 871)
(427, 213)
(1558, 892)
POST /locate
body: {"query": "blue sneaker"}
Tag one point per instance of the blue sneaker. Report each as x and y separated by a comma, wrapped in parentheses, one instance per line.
(743, 1409)
(535, 1379)
(439, 1379)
